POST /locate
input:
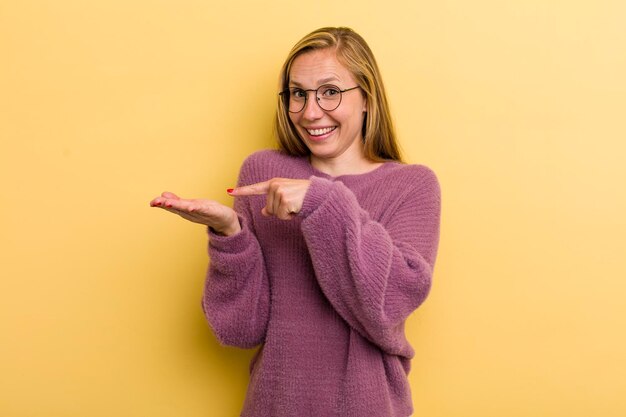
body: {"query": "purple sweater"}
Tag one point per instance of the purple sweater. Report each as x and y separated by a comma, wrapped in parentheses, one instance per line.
(326, 294)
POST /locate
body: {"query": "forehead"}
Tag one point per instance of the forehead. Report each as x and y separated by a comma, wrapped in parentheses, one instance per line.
(318, 66)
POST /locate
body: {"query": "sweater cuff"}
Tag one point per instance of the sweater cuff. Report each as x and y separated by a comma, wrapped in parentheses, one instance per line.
(230, 244)
(316, 194)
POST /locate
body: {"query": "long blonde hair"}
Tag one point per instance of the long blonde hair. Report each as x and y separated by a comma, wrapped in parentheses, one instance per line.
(352, 52)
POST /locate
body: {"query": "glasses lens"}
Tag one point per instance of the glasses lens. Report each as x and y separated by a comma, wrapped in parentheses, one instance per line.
(297, 99)
(329, 97)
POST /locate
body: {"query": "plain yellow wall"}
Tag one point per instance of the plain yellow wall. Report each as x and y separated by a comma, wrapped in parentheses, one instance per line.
(519, 106)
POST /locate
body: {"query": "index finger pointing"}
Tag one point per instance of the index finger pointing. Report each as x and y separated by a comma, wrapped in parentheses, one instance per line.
(259, 188)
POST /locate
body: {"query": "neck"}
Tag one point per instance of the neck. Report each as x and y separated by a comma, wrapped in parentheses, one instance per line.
(345, 165)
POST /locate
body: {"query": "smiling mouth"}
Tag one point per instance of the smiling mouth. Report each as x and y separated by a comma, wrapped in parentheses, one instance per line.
(320, 132)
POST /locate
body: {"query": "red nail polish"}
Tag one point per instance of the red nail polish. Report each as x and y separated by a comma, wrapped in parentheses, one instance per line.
(229, 190)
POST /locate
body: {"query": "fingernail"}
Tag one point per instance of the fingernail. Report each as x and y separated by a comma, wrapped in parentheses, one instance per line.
(229, 190)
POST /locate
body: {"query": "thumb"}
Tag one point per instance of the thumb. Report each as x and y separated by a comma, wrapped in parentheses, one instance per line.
(167, 194)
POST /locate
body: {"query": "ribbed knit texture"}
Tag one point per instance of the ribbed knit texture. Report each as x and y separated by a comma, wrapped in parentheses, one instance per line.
(327, 293)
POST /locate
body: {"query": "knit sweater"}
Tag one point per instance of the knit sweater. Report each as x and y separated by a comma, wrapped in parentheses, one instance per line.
(326, 294)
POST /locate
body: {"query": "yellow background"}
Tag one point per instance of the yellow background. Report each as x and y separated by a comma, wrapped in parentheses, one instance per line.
(518, 106)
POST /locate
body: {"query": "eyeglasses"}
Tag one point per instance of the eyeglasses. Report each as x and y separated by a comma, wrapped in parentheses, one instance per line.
(328, 97)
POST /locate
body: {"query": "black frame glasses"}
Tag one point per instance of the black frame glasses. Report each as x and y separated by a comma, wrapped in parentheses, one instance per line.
(328, 97)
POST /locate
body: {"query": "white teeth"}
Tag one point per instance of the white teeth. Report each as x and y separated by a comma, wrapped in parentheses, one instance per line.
(318, 132)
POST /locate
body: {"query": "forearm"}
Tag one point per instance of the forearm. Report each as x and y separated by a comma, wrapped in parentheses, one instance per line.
(374, 274)
(236, 292)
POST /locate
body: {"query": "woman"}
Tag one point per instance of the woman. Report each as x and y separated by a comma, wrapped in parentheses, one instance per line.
(329, 248)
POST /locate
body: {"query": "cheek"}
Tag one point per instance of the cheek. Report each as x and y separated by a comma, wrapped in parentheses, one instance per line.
(355, 118)
(294, 118)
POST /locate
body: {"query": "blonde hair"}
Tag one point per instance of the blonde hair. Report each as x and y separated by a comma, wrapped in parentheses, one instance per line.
(352, 52)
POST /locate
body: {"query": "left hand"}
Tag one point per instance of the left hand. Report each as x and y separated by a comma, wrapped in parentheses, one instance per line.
(284, 196)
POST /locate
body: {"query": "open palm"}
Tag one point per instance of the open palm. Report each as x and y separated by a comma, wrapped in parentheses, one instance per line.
(217, 216)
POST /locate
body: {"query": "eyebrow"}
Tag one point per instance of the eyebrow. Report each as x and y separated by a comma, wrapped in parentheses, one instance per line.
(320, 82)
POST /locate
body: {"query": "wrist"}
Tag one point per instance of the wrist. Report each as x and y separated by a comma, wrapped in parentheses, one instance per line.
(230, 230)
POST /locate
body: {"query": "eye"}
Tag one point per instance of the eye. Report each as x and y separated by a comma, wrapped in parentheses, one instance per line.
(298, 93)
(330, 91)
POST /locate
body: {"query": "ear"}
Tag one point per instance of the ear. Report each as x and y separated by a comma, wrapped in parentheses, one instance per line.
(364, 100)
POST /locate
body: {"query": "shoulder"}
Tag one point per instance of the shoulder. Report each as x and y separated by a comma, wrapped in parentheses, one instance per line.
(269, 163)
(412, 170)
(412, 186)
(266, 156)
(412, 176)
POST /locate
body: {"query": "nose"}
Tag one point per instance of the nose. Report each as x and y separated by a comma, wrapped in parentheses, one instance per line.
(312, 110)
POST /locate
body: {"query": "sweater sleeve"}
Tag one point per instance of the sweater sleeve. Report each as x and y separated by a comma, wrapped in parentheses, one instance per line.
(374, 274)
(236, 293)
